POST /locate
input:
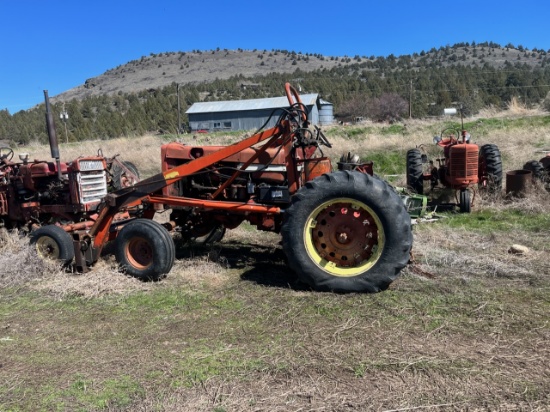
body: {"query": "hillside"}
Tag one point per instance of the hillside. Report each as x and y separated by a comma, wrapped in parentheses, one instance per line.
(141, 96)
(160, 70)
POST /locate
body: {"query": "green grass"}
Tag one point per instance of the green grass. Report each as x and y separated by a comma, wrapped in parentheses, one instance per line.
(387, 162)
(113, 352)
(359, 132)
(393, 129)
(206, 360)
(479, 128)
(94, 354)
(490, 220)
(115, 392)
(483, 127)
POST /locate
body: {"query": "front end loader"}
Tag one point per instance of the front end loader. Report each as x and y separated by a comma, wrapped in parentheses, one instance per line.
(342, 230)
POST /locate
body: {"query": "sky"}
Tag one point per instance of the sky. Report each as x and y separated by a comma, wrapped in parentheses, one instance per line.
(56, 45)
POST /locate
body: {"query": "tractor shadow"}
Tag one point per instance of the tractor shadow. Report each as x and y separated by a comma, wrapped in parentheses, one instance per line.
(260, 264)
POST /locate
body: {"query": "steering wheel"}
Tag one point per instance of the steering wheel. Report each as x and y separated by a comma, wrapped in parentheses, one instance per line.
(6, 154)
(294, 98)
(452, 137)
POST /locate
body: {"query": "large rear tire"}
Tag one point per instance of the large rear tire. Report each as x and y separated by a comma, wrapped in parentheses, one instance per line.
(52, 243)
(490, 168)
(145, 249)
(347, 232)
(415, 178)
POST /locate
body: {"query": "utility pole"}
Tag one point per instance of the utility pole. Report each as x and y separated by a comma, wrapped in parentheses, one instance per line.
(65, 116)
(179, 121)
(410, 99)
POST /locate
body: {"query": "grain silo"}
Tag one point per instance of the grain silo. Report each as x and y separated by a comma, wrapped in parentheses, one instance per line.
(326, 112)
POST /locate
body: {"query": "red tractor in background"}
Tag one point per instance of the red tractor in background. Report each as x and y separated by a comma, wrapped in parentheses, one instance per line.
(342, 231)
(463, 166)
(42, 196)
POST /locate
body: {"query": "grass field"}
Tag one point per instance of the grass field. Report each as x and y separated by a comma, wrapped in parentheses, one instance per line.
(465, 327)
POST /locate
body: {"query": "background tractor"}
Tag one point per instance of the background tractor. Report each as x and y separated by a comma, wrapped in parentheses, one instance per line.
(343, 230)
(462, 166)
(35, 193)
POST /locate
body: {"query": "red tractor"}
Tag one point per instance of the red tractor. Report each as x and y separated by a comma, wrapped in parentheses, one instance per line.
(342, 231)
(462, 166)
(44, 195)
(540, 169)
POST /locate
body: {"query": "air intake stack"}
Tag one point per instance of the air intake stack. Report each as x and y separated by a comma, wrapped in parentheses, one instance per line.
(52, 135)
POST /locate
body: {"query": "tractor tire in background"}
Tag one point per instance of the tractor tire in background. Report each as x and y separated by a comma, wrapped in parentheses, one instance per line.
(537, 169)
(52, 243)
(415, 178)
(144, 249)
(490, 168)
(347, 232)
(214, 236)
(121, 178)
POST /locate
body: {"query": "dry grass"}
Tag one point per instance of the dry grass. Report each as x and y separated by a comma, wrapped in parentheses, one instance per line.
(517, 144)
(471, 337)
(144, 151)
(19, 265)
(465, 328)
(514, 108)
(465, 255)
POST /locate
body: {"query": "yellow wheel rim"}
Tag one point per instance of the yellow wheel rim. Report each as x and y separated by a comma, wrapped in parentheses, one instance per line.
(344, 237)
(47, 248)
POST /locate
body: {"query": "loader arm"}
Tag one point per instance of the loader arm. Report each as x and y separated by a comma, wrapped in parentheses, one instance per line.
(141, 191)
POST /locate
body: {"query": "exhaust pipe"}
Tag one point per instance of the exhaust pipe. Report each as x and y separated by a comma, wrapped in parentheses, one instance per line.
(52, 135)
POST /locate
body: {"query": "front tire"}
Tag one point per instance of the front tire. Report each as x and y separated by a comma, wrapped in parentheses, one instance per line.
(52, 243)
(464, 204)
(145, 249)
(347, 232)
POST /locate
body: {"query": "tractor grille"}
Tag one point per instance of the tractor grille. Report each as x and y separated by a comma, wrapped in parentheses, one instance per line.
(87, 165)
(93, 186)
(464, 162)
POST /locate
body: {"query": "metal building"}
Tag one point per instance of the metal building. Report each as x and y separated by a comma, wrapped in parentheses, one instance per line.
(249, 114)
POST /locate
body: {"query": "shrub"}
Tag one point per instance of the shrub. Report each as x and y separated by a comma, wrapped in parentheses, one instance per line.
(388, 107)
